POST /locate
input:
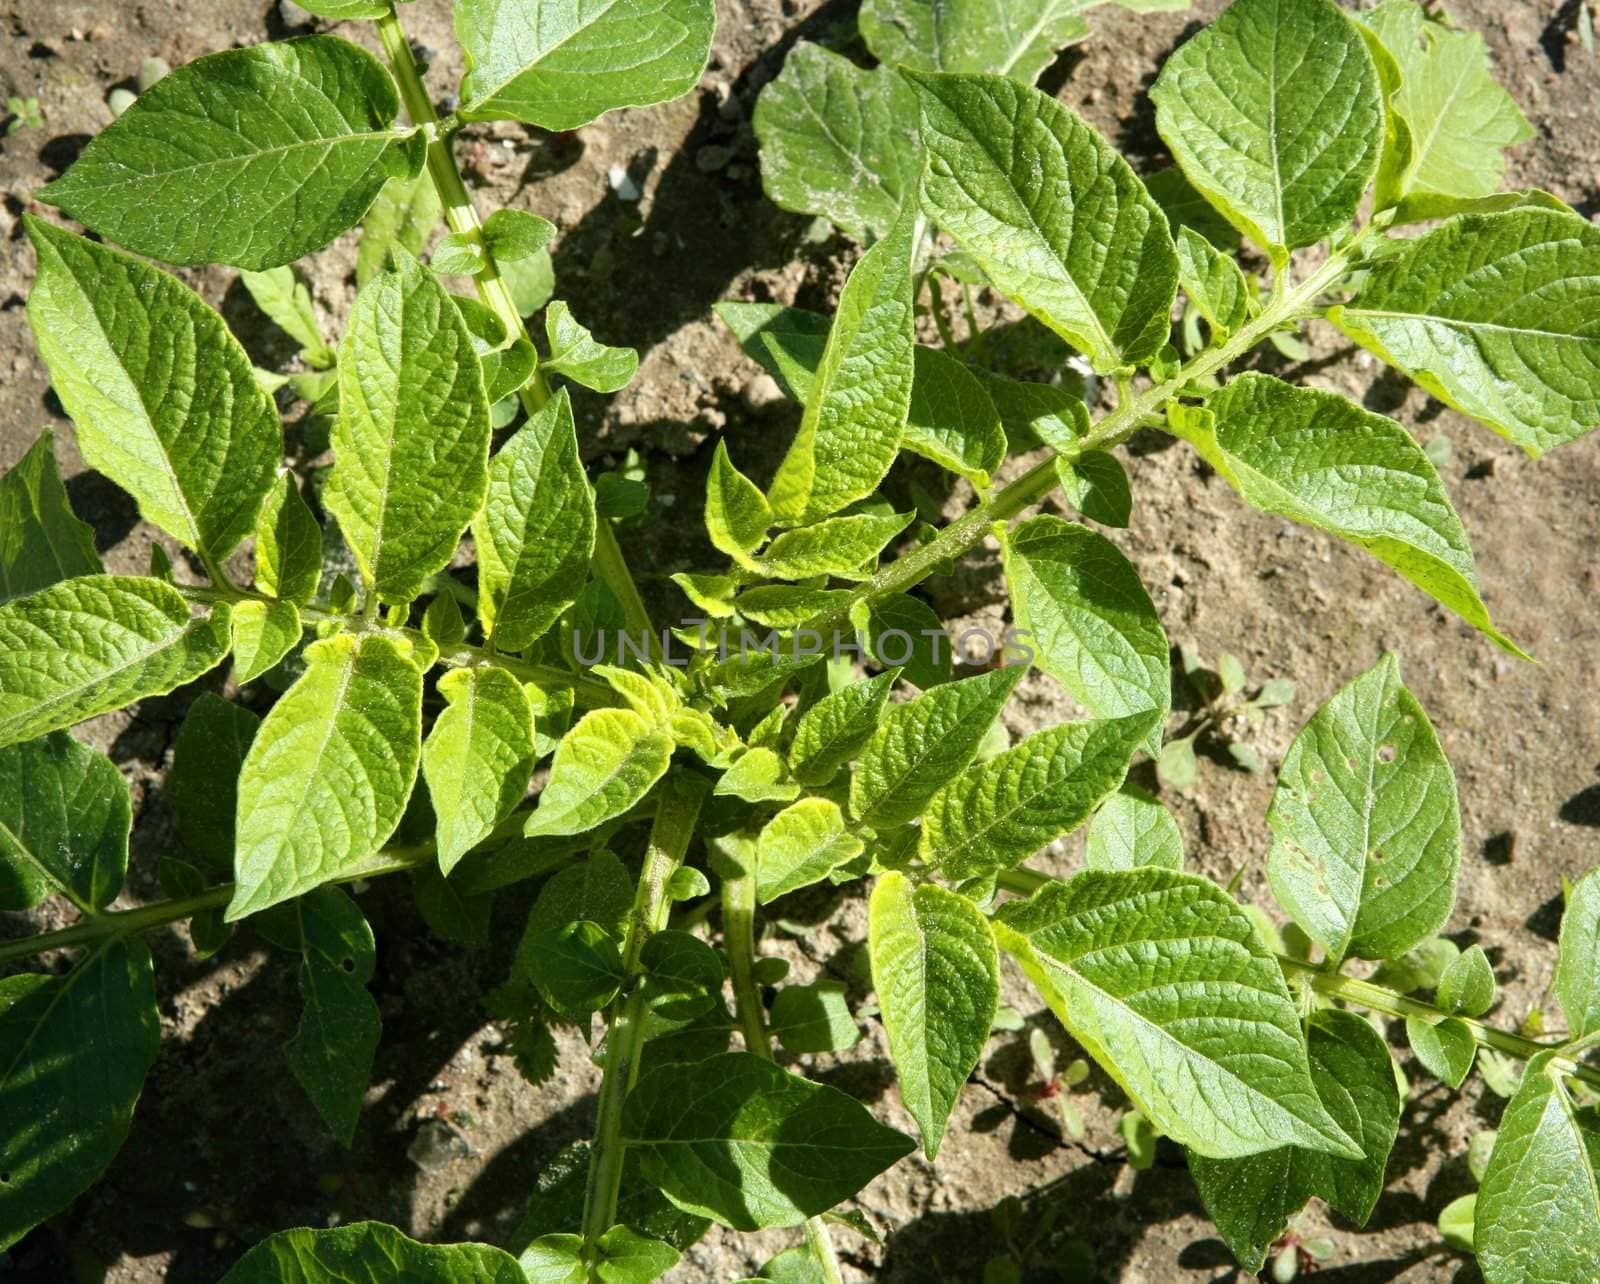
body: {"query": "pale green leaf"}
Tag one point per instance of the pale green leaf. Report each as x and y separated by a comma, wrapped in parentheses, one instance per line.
(252, 156)
(758, 776)
(411, 445)
(344, 10)
(814, 1018)
(1164, 981)
(801, 845)
(1577, 981)
(603, 766)
(288, 544)
(1016, 38)
(742, 1140)
(1213, 282)
(65, 816)
(163, 398)
(1497, 315)
(1096, 484)
(1236, 103)
(203, 783)
(1051, 213)
(1366, 827)
(1321, 459)
(76, 1050)
(574, 352)
(562, 63)
(1445, 1047)
(516, 234)
(405, 213)
(263, 633)
(1456, 1222)
(737, 513)
(41, 541)
(457, 254)
(937, 973)
(951, 420)
(536, 531)
(844, 546)
(478, 758)
(329, 772)
(369, 1253)
(839, 140)
(785, 606)
(831, 732)
(97, 643)
(1467, 986)
(1001, 811)
(1133, 828)
(286, 300)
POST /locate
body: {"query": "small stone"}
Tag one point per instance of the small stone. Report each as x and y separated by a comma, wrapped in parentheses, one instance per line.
(437, 1145)
(119, 100)
(623, 185)
(151, 70)
(711, 158)
(762, 394)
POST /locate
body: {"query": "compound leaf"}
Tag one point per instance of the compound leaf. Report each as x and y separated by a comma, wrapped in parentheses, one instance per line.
(576, 353)
(163, 398)
(41, 540)
(252, 157)
(1577, 981)
(1366, 828)
(801, 845)
(1016, 38)
(65, 816)
(369, 1253)
(602, 767)
(1130, 829)
(833, 731)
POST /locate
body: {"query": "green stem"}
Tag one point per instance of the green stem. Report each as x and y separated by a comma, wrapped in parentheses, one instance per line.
(612, 571)
(676, 814)
(739, 935)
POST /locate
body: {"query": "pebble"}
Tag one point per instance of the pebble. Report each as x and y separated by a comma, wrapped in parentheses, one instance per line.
(119, 100)
(436, 1145)
(711, 158)
(623, 185)
(762, 394)
(151, 70)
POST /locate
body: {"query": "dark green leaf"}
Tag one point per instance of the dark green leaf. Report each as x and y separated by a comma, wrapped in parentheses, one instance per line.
(65, 816)
(41, 541)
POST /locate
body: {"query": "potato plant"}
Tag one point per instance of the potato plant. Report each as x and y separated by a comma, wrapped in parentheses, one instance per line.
(812, 721)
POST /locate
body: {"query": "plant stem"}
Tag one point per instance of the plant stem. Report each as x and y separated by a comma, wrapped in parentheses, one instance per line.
(612, 571)
(739, 935)
(676, 814)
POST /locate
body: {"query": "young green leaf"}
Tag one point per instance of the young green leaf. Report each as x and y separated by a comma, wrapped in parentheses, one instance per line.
(682, 974)
(603, 766)
(1319, 458)
(1213, 281)
(923, 743)
(1496, 315)
(1232, 103)
(937, 973)
(1445, 1047)
(1050, 212)
(832, 731)
(283, 296)
(342, 10)
(1577, 982)
(252, 157)
(737, 513)
(369, 1253)
(263, 633)
(1185, 207)
(742, 1140)
(77, 1049)
(65, 816)
(814, 1018)
(478, 758)
(1016, 38)
(329, 772)
(562, 65)
(784, 606)
(288, 544)
(839, 140)
(905, 632)
(951, 420)
(787, 342)
(162, 397)
(1096, 484)
(516, 234)
(758, 776)
(574, 352)
(204, 781)
(535, 533)
(1035, 414)
(42, 542)
(1252, 1199)
(412, 413)
(97, 643)
(801, 845)
(1130, 829)
(1538, 1213)
(405, 213)
(457, 254)
(844, 546)
(1366, 827)
(1213, 1054)
(857, 409)
(1000, 812)
(1467, 986)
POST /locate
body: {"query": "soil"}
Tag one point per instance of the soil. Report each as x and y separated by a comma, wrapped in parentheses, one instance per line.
(225, 1149)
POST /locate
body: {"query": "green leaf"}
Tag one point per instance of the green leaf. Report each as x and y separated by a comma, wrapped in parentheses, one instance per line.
(329, 772)
(203, 783)
(1233, 104)
(478, 758)
(1213, 282)
(1467, 986)
(97, 643)
(405, 213)
(343, 10)
(574, 352)
(283, 296)
(1001, 811)
(784, 606)
(1457, 119)
(937, 973)
(1497, 315)
(1034, 414)
(1165, 982)
(263, 633)
(1050, 212)
(412, 413)
(831, 732)
(839, 140)
(1318, 458)
(578, 969)
(1456, 1222)
(741, 1140)
(952, 421)
(457, 254)
(1016, 38)
(1132, 828)
(516, 234)
(1445, 1047)
(252, 156)
(923, 743)
(1185, 207)
(369, 1253)
(1366, 827)
(76, 1052)
(905, 632)
(535, 533)
(288, 544)
(562, 65)
(597, 890)
(787, 342)
(1094, 628)
(737, 513)
(332, 1050)
(1577, 981)
(857, 409)
(801, 845)
(65, 816)
(683, 975)
(844, 546)
(163, 398)
(41, 541)
(1538, 1213)
(758, 776)
(1252, 1199)
(603, 766)
(1096, 484)
(814, 1018)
